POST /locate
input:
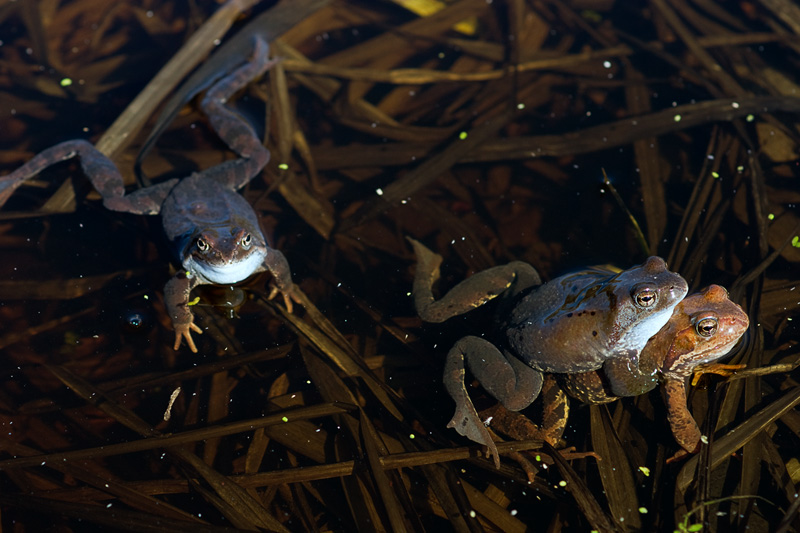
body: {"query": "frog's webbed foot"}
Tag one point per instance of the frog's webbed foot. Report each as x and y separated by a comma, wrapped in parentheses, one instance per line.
(184, 331)
(468, 424)
(428, 263)
(471, 293)
(55, 154)
(176, 297)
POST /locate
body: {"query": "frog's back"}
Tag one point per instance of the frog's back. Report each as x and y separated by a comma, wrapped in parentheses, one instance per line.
(561, 326)
(199, 202)
(576, 322)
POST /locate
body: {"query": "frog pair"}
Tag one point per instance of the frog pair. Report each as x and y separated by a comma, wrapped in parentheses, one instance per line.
(601, 334)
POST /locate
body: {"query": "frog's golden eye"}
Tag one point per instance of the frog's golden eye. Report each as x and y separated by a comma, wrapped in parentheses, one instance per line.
(246, 240)
(202, 245)
(706, 327)
(645, 297)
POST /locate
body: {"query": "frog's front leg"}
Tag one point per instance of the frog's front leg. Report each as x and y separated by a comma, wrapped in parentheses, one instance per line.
(684, 428)
(100, 170)
(505, 377)
(282, 283)
(628, 376)
(176, 297)
(470, 293)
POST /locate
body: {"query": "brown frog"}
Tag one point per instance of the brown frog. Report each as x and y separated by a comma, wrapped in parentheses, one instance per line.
(213, 230)
(703, 328)
(572, 324)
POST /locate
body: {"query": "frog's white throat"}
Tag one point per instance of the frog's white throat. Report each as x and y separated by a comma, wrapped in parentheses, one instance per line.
(228, 272)
(637, 337)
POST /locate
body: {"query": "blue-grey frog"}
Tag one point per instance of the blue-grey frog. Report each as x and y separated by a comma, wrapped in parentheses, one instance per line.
(213, 230)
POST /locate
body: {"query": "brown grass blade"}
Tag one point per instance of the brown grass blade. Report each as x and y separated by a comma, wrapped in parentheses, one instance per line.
(740, 435)
(589, 506)
(237, 504)
(615, 471)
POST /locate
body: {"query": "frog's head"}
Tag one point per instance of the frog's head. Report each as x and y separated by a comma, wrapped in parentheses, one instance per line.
(643, 297)
(224, 254)
(704, 328)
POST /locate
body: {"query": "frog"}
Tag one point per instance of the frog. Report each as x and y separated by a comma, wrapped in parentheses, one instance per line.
(703, 328)
(571, 324)
(213, 230)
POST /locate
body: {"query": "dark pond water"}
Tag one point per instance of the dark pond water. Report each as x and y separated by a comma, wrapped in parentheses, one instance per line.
(87, 357)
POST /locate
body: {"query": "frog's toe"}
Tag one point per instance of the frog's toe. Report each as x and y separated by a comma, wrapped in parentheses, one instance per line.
(287, 300)
(724, 370)
(290, 296)
(679, 456)
(273, 292)
(468, 424)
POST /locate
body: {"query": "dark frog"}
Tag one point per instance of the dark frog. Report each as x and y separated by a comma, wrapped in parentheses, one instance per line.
(571, 324)
(703, 328)
(213, 230)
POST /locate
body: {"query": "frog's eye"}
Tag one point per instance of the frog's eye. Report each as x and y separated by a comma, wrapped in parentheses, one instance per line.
(645, 297)
(202, 245)
(246, 240)
(706, 327)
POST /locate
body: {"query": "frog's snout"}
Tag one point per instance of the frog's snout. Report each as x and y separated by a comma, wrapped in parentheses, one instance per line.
(681, 288)
(678, 291)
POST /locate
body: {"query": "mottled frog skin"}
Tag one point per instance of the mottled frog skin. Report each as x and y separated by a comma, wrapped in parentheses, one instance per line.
(571, 324)
(214, 232)
(704, 327)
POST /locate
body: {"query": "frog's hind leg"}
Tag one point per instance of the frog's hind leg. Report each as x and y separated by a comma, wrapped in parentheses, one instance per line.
(146, 201)
(470, 293)
(684, 428)
(555, 410)
(506, 378)
(234, 130)
(100, 170)
(51, 156)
